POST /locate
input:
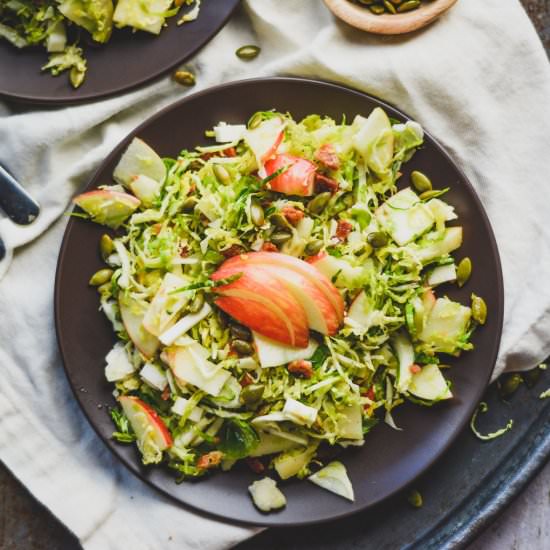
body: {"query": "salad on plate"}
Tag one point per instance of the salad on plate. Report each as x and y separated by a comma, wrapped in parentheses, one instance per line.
(57, 26)
(275, 294)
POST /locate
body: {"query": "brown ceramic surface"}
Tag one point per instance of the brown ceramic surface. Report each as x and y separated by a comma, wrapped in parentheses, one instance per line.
(126, 61)
(390, 459)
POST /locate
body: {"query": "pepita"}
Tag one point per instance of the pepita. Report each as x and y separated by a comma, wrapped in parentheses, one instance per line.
(377, 239)
(420, 181)
(248, 52)
(257, 215)
(479, 309)
(463, 271)
(318, 203)
(186, 78)
(101, 277)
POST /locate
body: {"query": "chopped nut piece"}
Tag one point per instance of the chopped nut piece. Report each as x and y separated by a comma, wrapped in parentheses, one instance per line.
(327, 156)
(301, 368)
(209, 460)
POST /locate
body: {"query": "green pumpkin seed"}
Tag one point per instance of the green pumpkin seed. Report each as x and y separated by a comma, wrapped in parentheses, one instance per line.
(221, 173)
(106, 246)
(242, 347)
(240, 332)
(197, 303)
(100, 277)
(257, 213)
(278, 220)
(186, 78)
(463, 271)
(105, 288)
(389, 6)
(378, 239)
(479, 309)
(408, 6)
(248, 52)
(255, 120)
(396, 2)
(319, 203)
(252, 394)
(366, 2)
(280, 237)
(415, 499)
(313, 247)
(431, 194)
(509, 384)
(348, 200)
(188, 205)
(376, 9)
(531, 377)
(420, 181)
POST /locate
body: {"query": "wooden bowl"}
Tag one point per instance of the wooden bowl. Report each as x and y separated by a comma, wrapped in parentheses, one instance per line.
(362, 18)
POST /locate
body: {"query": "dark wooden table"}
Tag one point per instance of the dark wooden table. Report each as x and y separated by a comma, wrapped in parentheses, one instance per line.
(26, 525)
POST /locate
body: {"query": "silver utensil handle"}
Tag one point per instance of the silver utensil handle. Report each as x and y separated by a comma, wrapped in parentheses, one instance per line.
(19, 206)
(2, 250)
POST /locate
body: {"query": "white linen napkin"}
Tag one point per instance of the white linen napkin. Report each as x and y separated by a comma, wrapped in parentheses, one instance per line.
(478, 80)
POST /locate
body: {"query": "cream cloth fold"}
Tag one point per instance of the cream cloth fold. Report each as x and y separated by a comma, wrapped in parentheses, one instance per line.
(478, 80)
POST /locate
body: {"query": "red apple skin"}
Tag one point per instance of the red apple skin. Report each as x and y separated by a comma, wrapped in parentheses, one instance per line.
(298, 285)
(273, 149)
(157, 423)
(120, 207)
(308, 271)
(297, 179)
(259, 301)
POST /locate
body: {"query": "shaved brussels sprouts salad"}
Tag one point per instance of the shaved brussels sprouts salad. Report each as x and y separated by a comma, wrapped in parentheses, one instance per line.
(275, 293)
(47, 23)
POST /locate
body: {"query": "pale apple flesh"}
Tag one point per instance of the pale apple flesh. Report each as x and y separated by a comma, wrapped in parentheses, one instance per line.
(259, 301)
(142, 418)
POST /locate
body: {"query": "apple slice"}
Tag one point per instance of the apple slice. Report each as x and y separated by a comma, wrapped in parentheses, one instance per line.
(146, 189)
(275, 354)
(259, 301)
(139, 159)
(277, 260)
(297, 178)
(429, 384)
(145, 422)
(107, 207)
(265, 139)
(164, 307)
(132, 314)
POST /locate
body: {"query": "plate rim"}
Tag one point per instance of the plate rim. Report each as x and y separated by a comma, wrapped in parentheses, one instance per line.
(28, 99)
(499, 314)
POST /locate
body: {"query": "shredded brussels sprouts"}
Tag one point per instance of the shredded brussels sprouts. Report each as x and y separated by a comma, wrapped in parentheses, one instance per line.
(313, 211)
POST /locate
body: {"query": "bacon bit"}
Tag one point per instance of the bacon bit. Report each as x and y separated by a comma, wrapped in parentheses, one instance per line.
(229, 152)
(269, 247)
(192, 188)
(327, 156)
(301, 367)
(184, 252)
(255, 465)
(415, 369)
(156, 229)
(324, 183)
(369, 394)
(292, 215)
(233, 250)
(165, 395)
(343, 229)
(209, 460)
(246, 380)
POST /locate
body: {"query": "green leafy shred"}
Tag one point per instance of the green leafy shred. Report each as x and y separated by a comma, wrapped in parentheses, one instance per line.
(483, 408)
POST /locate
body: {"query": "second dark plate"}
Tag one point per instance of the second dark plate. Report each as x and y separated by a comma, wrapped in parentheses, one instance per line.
(126, 61)
(389, 459)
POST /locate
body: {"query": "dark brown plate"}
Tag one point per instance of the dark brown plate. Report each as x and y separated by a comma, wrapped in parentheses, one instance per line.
(126, 61)
(390, 459)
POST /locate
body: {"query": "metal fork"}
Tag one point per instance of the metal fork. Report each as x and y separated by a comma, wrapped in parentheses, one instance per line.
(18, 205)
